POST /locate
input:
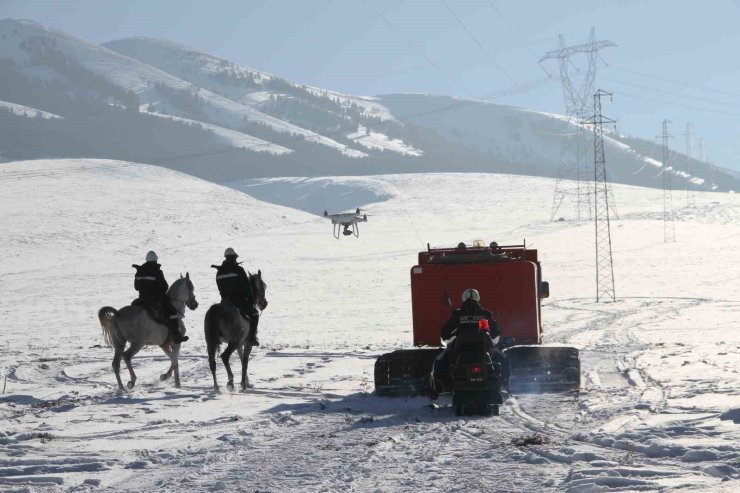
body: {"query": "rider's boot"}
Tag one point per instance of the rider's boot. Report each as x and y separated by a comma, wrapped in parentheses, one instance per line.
(174, 326)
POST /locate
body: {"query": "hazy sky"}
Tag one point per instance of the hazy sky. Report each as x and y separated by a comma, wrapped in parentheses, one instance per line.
(675, 59)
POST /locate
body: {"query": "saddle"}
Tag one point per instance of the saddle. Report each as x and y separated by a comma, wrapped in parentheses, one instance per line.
(155, 311)
(242, 310)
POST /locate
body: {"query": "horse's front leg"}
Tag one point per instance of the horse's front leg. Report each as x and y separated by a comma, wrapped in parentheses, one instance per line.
(127, 355)
(244, 353)
(225, 358)
(168, 352)
(174, 364)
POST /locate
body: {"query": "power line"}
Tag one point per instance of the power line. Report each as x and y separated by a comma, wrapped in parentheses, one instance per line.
(475, 40)
(683, 96)
(511, 28)
(516, 34)
(416, 49)
(518, 89)
(669, 227)
(669, 81)
(690, 198)
(673, 103)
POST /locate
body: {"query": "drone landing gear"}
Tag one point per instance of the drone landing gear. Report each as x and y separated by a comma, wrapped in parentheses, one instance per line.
(349, 230)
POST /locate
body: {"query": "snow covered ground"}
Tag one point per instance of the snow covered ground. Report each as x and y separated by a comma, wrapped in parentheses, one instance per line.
(376, 140)
(231, 137)
(23, 110)
(659, 410)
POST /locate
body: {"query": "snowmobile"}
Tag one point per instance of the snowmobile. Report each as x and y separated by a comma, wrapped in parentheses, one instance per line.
(476, 376)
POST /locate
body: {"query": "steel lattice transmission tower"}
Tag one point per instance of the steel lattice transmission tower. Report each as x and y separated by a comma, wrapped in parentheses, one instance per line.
(604, 263)
(690, 195)
(669, 228)
(572, 179)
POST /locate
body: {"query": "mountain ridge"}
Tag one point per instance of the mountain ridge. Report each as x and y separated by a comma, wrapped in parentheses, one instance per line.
(257, 124)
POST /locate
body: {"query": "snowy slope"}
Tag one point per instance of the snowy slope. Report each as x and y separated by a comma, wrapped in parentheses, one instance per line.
(22, 110)
(204, 69)
(376, 140)
(534, 140)
(659, 409)
(142, 79)
(232, 137)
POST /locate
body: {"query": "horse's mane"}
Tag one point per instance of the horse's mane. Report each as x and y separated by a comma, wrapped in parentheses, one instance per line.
(176, 285)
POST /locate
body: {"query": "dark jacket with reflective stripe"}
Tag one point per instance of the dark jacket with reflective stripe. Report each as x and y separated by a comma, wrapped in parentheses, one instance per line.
(233, 283)
(466, 318)
(150, 281)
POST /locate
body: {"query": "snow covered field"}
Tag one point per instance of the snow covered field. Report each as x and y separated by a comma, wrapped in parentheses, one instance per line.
(659, 410)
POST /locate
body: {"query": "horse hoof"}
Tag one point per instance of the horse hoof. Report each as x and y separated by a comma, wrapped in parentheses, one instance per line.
(164, 376)
(230, 386)
(130, 385)
(177, 385)
(217, 389)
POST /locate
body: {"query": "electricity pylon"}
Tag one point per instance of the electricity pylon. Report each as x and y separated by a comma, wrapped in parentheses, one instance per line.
(690, 196)
(604, 264)
(669, 228)
(573, 169)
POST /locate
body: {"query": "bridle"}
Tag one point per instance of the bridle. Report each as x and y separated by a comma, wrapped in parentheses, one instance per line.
(190, 301)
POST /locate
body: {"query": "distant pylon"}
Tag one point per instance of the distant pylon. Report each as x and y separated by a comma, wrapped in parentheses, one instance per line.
(574, 163)
(669, 228)
(703, 159)
(604, 264)
(690, 196)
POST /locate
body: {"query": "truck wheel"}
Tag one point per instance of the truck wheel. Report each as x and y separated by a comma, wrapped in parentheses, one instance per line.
(494, 409)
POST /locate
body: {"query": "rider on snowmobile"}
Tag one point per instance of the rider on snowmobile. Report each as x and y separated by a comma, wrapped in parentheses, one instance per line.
(467, 318)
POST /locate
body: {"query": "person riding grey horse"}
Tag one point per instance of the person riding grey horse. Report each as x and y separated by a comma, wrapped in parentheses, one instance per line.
(152, 287)
(235, 289)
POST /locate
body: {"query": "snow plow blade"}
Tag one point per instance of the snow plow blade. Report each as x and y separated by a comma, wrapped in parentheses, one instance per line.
(542, 369)
(404, 372)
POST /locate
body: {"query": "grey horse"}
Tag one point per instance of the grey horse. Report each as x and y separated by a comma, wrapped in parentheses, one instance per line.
(224, 323)
(134, 325)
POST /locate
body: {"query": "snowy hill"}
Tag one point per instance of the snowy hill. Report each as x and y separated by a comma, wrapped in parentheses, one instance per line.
(226, 122)
(659, 409)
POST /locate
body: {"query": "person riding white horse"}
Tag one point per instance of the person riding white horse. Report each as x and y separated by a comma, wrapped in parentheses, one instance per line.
(135, 326)
(152, 287)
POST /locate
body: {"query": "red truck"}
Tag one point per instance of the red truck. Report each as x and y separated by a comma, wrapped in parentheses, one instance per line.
(509, 280)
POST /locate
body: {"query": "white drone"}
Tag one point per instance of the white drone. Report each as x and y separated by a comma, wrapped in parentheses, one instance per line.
(348, 220)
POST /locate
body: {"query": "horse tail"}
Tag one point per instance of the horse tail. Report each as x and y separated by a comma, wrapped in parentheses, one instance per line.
(111, 332)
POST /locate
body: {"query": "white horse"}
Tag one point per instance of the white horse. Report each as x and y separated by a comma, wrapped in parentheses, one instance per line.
(133, 324)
